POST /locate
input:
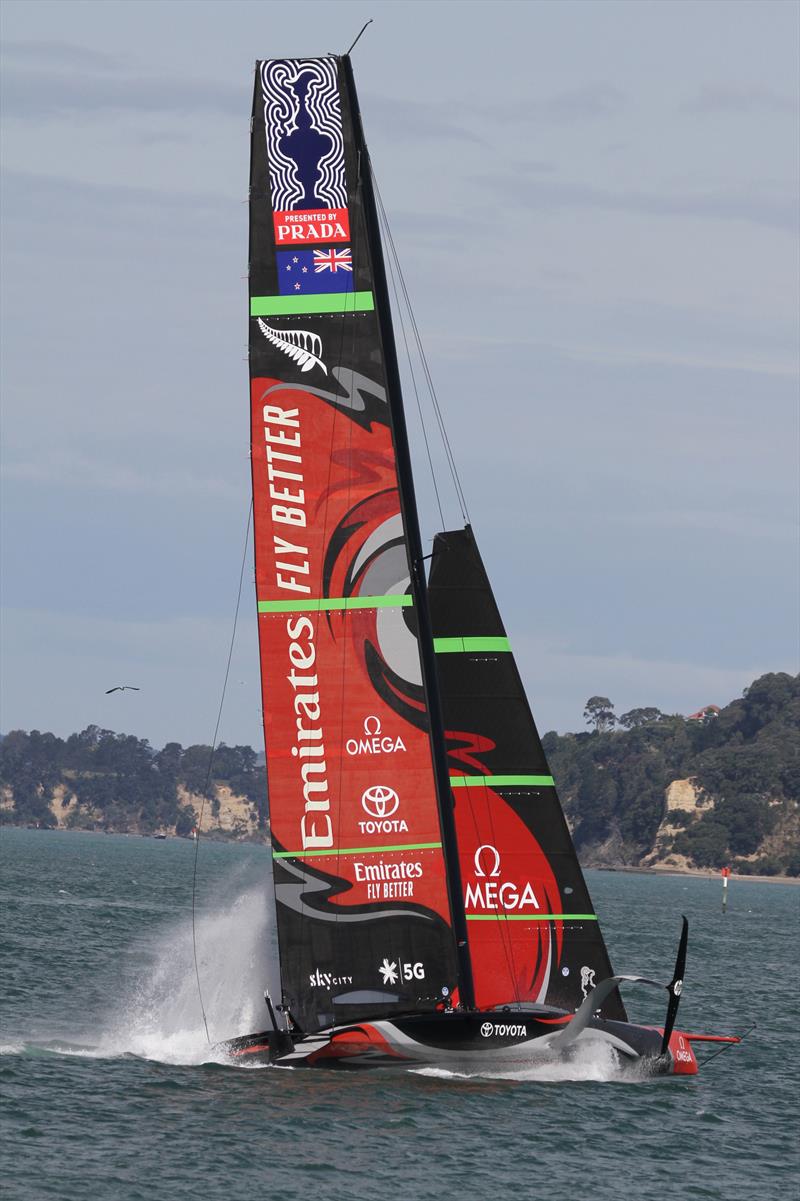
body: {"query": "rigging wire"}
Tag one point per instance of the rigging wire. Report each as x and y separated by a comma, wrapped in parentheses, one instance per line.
(421, 351)
(393, 275)
(210, 764)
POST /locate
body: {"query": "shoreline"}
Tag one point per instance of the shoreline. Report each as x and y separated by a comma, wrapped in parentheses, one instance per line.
(701, 872)
(223, 836)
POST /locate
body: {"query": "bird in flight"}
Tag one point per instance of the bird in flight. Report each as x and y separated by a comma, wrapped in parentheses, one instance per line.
(123, 688)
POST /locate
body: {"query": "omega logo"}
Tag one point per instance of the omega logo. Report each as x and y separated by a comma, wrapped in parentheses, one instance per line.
(374, 741)
(495, 870)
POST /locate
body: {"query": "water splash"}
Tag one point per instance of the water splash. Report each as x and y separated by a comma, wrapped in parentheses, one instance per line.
(159, 1015)
(589, 1061)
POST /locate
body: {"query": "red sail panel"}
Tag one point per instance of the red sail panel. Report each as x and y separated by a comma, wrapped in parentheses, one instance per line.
(511, 900)
(364, 920)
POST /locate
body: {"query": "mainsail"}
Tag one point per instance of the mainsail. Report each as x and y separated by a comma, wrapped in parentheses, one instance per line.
(533, 934)
(363, 908)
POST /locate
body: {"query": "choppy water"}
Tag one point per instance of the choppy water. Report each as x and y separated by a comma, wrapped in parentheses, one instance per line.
(109, 1092)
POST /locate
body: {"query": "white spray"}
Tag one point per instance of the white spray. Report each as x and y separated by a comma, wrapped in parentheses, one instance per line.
(160, 1016)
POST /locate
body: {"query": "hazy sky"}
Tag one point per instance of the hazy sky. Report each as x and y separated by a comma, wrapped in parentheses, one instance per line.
(596, 209)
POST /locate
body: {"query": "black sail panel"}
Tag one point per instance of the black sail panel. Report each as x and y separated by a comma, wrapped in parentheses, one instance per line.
(533, 933)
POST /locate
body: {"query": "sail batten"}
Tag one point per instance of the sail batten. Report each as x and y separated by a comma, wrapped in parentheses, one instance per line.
(330, 603)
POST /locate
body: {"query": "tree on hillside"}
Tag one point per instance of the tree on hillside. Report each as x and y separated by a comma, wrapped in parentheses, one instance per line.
(599, 712)
(639, 717)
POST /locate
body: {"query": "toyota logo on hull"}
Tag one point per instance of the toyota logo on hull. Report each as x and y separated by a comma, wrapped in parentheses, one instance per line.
(506, 1030)
(379, 801)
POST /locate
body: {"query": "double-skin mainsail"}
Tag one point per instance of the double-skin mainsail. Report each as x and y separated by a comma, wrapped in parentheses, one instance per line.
(394, 885)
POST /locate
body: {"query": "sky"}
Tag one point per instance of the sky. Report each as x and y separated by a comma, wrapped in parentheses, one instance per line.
(595, 207)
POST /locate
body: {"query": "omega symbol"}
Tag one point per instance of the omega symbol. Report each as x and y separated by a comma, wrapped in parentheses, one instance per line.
(495, 870)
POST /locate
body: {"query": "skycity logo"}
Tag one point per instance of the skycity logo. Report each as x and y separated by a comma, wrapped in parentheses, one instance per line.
(326, 980)
(381, 802)
(490, 894)
(374, 741)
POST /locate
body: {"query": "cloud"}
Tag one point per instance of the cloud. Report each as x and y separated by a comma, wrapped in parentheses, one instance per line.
(559, 681)
(412, 120)
(64, 468)
(97, 88)
(731, 358)
(775, 211)
(28, 196)
(420, 122)
(587, 102)
(728, 98)
(65, 54)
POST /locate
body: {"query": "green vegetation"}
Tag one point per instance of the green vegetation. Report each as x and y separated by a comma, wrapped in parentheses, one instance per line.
(744, 764)
(118, 782)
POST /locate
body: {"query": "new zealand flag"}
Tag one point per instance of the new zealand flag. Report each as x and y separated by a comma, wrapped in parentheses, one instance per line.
(304, 272)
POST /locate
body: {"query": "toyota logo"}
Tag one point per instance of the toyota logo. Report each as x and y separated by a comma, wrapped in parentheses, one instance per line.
(486, 1029)
(380, 801)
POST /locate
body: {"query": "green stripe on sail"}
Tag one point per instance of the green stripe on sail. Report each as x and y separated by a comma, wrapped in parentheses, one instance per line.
(531, 917)
(319, 604)
(454, 646)
(330, 302)
(413, 846)
(501, 781)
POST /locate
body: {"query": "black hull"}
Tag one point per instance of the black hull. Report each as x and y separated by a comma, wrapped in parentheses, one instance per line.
(466, 1042)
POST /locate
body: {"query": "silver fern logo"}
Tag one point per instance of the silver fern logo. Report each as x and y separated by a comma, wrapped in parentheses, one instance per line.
(301, 345)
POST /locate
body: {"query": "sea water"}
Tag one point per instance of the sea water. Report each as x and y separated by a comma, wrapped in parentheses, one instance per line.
(111, 1090)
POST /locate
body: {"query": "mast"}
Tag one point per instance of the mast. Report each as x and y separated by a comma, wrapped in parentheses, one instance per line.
(418, 582)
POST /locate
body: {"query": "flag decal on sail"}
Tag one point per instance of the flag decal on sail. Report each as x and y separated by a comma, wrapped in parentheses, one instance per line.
(333, 260)
(304, 272)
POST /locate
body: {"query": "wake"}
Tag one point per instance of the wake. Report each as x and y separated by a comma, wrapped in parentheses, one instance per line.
(587, 1062)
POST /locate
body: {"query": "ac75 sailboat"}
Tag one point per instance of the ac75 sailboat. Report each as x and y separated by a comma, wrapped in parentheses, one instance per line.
(430, 905)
